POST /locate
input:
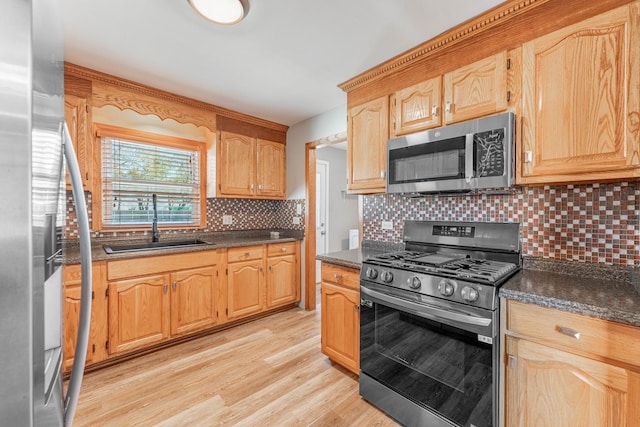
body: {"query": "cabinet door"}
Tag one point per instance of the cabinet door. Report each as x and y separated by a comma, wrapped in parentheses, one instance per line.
(270, 169)
(76, 113)
(71, 315)
(139, 312)
(340, 330)
(581, 104)
(367, 134)
(417, 107)
(476, 90)
(236, 165)
(282, 286)
(194, 296)
(245, 288)
(549, 387)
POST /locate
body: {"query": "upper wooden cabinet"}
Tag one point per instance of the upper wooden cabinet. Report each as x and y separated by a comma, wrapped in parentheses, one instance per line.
(367, 134)
(581, 101)
(471, 91)
(417, 107)
(476, 90)
(78, 117)
(250, 168)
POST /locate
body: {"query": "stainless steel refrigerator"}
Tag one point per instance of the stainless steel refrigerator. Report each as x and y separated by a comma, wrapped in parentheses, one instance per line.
(33, 145)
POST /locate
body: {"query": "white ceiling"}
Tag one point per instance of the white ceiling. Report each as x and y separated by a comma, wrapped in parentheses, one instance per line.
(282, 63)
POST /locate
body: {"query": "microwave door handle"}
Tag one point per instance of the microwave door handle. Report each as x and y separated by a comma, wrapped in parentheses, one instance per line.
(468, 157)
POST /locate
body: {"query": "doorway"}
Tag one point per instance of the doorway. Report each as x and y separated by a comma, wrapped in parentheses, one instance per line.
(322, 211)
(311, 275)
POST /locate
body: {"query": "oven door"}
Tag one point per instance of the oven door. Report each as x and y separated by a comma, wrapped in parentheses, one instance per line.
(426, 361)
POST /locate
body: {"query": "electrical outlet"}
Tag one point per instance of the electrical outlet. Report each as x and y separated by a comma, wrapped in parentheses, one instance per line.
(387, 225)
(298, 209)
(227, 219)
(296, 220)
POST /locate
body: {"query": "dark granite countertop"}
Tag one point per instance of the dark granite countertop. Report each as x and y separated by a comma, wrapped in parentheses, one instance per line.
(353, 258)
(592, 290)
(215, 240)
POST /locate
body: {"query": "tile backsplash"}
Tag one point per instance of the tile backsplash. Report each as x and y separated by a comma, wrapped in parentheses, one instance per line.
(597, 223)
(246, 215)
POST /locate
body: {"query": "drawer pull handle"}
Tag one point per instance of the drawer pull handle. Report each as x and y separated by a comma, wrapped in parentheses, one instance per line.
(568, 332)
(337, 276)
(247, 254)
(283, 249)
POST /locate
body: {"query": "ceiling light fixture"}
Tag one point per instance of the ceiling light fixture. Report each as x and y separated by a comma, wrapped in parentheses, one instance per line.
(226, 12)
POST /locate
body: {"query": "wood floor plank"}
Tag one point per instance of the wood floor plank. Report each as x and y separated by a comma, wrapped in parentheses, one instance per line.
(269, 372)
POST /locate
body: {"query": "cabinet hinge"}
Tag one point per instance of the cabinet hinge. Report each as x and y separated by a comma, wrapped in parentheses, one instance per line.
(216, 273)
(226, 271)
(86, 108)
(394, 125)
(508, 95)
(93, 348)
(106, 345)
(93, 295)
(106, 293)
(220, 187)
(508, 63)
(226, 311)
(86, 176)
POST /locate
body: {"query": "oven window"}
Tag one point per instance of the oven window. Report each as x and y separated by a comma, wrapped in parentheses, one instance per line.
(445, 369)
(429, 161)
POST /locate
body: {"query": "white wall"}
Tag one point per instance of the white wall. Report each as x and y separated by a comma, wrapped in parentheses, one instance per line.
(321, 126)
(343, 208)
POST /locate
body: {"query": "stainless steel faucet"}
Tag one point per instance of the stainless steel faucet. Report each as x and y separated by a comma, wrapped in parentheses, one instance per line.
(154, 226)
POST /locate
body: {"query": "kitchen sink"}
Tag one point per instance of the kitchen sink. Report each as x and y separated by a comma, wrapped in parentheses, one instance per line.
(148, 246)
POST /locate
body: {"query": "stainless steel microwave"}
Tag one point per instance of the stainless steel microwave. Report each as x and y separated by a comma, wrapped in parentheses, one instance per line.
(472, 155)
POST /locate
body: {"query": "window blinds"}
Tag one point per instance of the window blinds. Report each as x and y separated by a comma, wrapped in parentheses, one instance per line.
(133, 171)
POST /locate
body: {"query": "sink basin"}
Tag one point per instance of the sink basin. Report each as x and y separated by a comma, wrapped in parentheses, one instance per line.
(148, 246)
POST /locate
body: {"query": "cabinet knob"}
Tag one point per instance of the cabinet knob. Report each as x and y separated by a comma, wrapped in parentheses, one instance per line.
(568, 332)
(259, 186)
(434, 111)
(174, 285)
(283, 249)
(247, 254)
(448, 107)
(383, 174)
(165, 288)
(337, 276)
(270, 268)
(528, 156)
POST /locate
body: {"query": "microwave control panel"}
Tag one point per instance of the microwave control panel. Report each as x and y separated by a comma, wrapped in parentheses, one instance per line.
(489, 153)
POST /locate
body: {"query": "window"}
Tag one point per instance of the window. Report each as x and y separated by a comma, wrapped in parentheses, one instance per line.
(135, 165)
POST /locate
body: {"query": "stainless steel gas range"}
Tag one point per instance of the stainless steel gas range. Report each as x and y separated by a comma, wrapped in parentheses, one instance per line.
(429, 319)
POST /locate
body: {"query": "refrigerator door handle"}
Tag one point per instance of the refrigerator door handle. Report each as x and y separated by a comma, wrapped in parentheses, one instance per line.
(82, 341)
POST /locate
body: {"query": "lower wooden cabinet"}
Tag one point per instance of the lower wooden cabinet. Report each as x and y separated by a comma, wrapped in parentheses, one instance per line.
(97, 350)
(561, 371)
(245, 288)
(138, 312)
(340, 315)
(282, 274)
(194, 300)
(162, 297)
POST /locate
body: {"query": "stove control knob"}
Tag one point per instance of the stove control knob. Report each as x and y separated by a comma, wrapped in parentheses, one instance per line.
(414, 282)
(372, 273)
(446, 287)
(387, 276)
(469, 294)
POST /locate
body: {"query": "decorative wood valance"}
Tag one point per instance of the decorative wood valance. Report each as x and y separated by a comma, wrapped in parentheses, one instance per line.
(126, 94)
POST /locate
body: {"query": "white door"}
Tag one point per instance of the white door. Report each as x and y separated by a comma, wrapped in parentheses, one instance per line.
(322, 207)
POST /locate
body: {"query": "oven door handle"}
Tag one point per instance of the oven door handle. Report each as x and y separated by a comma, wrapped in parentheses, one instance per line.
(435, 313)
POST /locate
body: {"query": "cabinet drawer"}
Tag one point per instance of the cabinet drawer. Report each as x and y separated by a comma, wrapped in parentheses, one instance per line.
(157, 264)
(576, 332)
(344, 276)
(275, 249)
(245, 253)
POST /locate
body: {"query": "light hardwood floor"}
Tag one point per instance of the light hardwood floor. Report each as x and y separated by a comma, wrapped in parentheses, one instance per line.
(269, 372)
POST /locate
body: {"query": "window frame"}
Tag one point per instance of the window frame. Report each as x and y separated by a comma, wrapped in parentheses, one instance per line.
(105, 130)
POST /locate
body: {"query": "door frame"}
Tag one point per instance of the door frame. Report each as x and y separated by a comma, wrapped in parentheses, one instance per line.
(326, 203)
(310, 220)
